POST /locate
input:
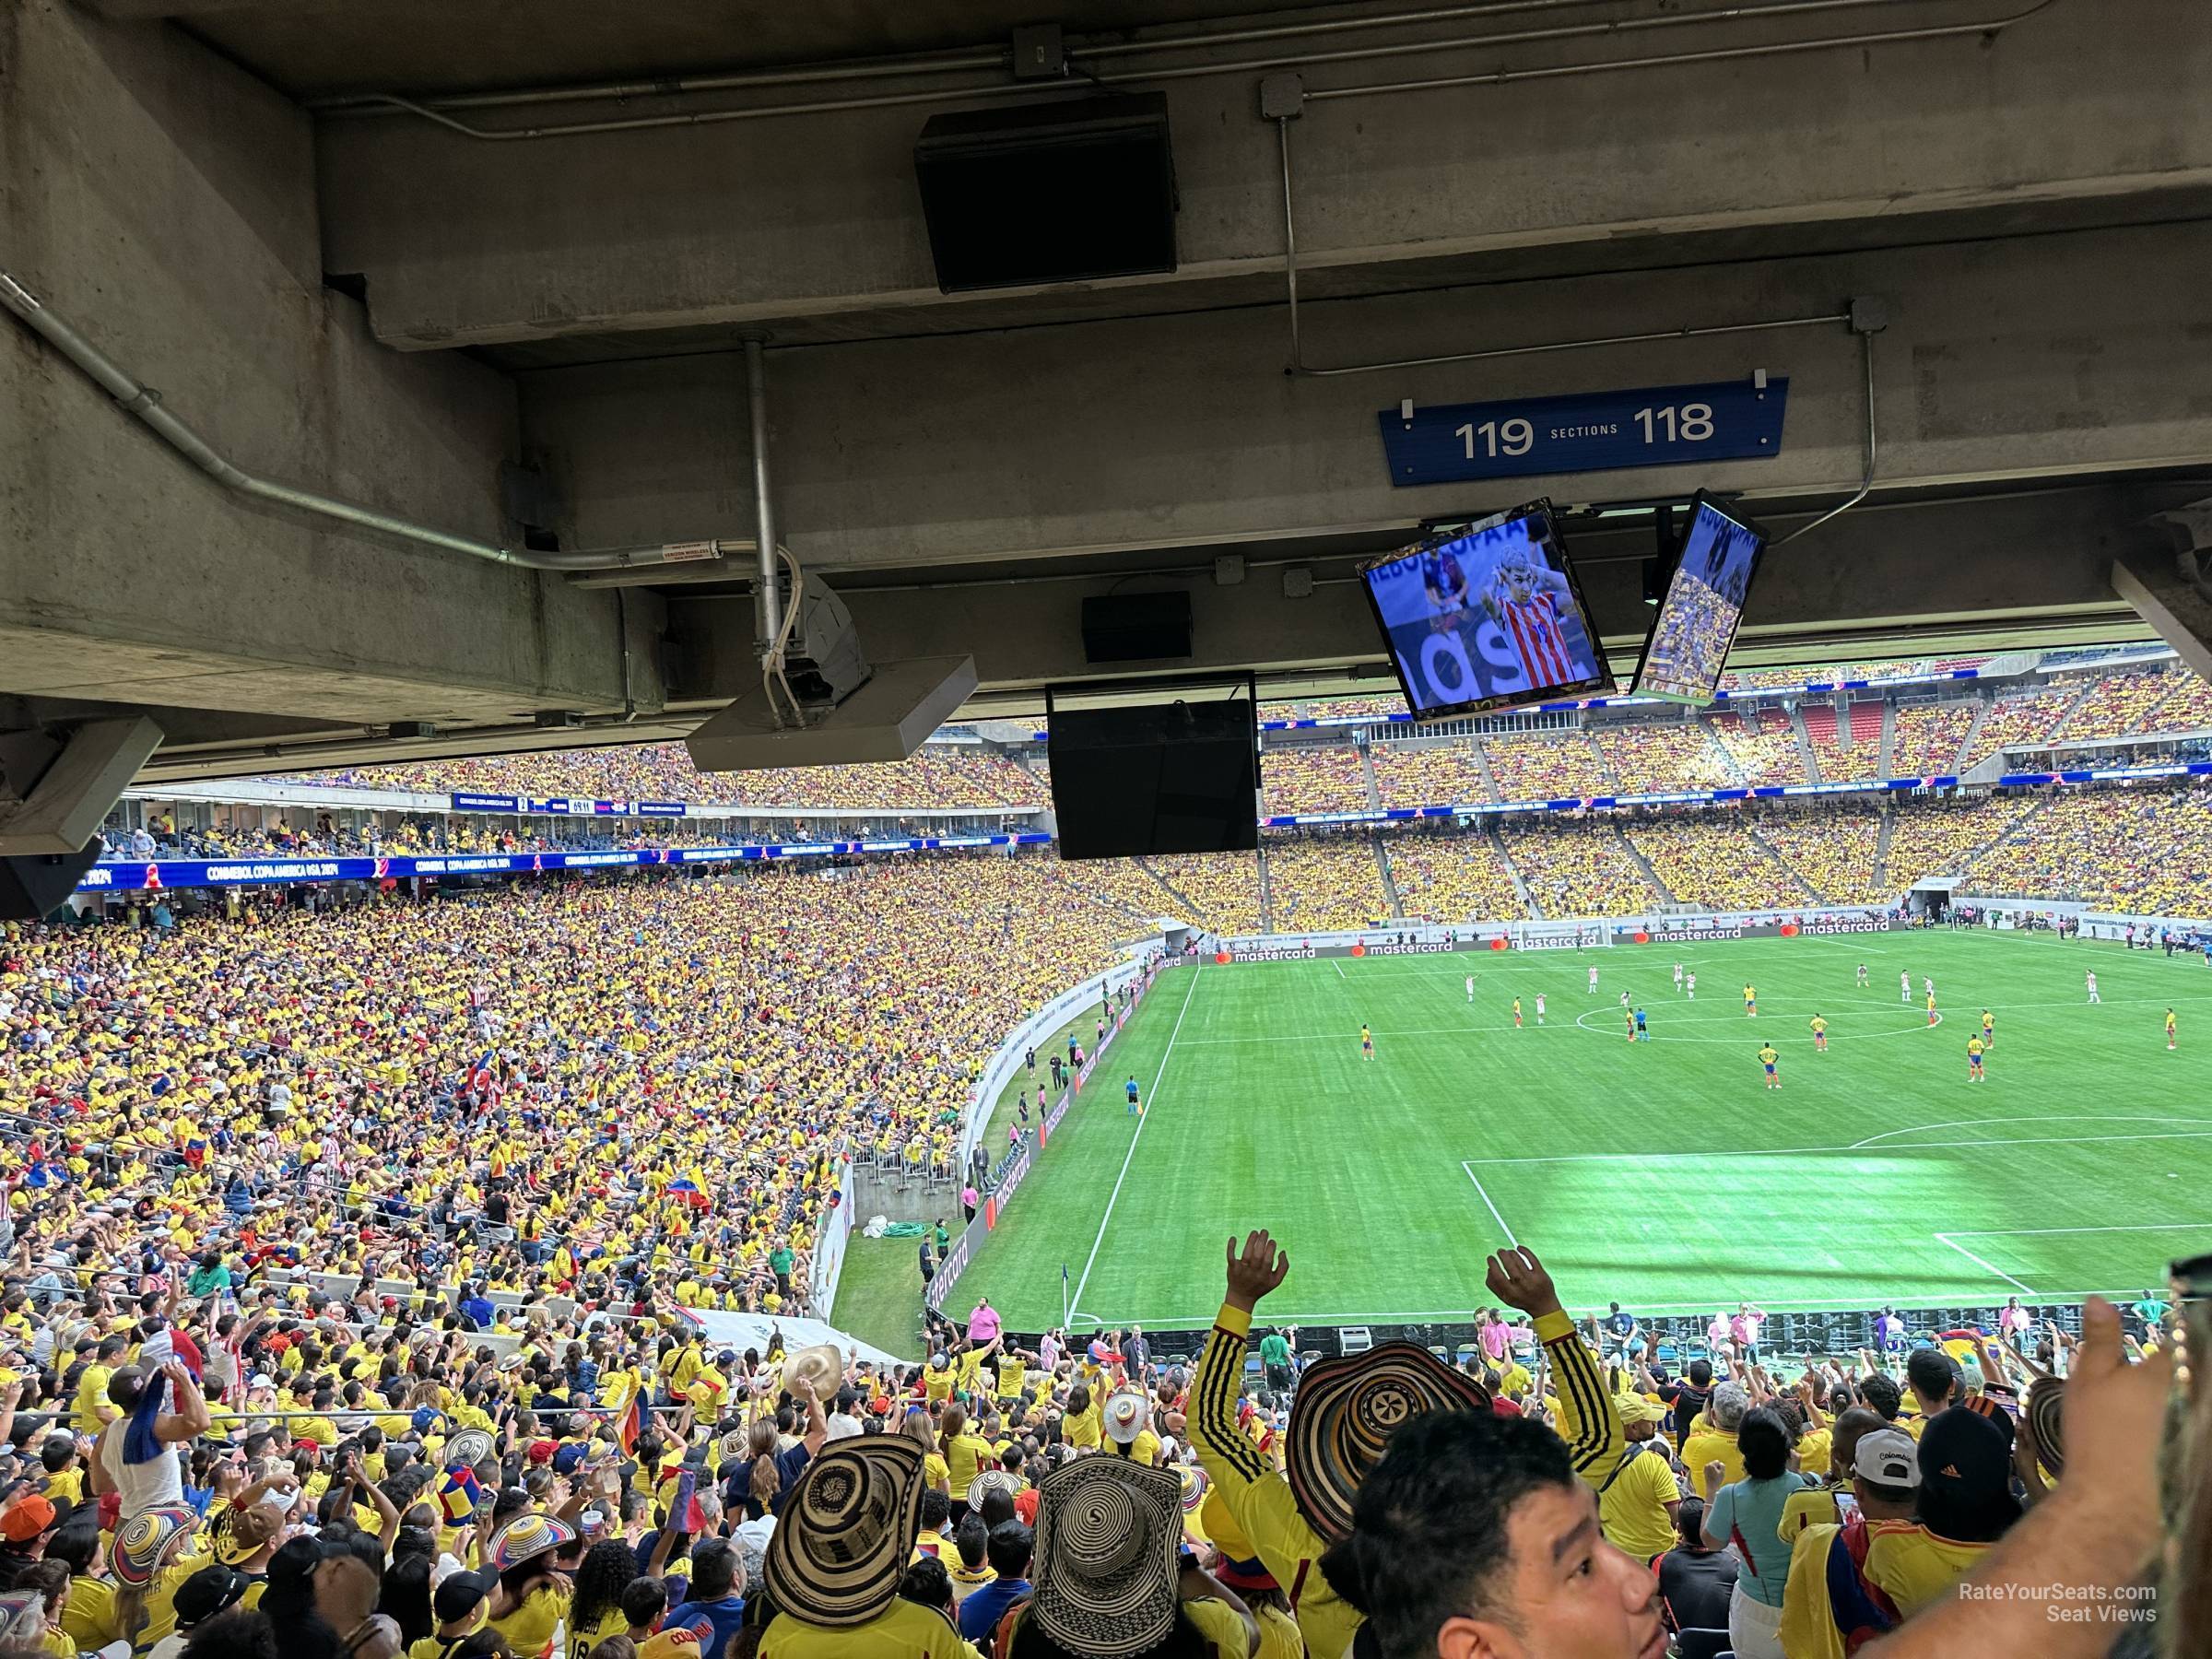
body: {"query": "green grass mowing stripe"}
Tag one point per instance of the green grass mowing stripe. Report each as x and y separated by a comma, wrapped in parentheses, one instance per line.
(1703, 1188)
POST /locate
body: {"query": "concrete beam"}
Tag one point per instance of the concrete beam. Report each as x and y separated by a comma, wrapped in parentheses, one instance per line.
(2027, 568)
(165, 202)
(2058, 356)
(465, 241)
(2171, 588)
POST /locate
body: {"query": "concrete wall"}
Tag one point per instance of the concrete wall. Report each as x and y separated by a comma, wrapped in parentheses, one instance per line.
(2034, 356)
(165, 203)
(469, 241)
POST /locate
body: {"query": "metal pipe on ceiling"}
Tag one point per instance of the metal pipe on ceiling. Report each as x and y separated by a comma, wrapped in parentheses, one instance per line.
(144, 403)
(767, 599)
(433, 109)
(1866, 477)
(1989, 28)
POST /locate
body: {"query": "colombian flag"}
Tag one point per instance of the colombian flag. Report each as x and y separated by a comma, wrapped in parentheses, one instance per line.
(630, 1423)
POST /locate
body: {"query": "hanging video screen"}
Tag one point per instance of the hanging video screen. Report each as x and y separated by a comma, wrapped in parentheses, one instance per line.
(1687, 647)
(1487, 617)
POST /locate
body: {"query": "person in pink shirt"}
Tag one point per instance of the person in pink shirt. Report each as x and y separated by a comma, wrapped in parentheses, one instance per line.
(1745, 1328)
(982, 1324)
(1494, 1335)
(968, 1201)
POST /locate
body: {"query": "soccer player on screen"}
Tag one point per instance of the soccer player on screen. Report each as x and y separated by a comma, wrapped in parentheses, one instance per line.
(1931, 1007)
(1973, 1060)
(2169, 1030)
(1677, 978)
(1750, 1002)
(1530, 602)
(1516, 1013)
(1862, 976)
(1819, 1035)
(1691, 981)
(1630, 1020)
(1904, 987)
(1539, 1008)
(1989, 1029)
(1593, 982)
(1367, 1043)
(1769, 1058)
(2093, 996)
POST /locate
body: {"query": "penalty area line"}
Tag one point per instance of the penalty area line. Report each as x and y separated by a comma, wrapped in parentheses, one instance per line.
(1487, 1203)
(1991, 1266)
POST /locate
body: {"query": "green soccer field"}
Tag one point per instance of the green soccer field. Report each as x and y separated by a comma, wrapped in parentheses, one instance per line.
(1662, 1174)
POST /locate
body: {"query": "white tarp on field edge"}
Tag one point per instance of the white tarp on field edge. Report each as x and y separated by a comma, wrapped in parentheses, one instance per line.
(742, 1331)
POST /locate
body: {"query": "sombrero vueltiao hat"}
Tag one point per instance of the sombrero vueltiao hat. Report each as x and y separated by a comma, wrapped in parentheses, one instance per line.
(23, 1619)
(732, 1446)
(846, 1531)
(988, 1481)
(1105, 1571)
(1195, 1488)
(2046, 1421)
(1345, 1411)
(526, 1537)
(149, 1541)
(467, 1448)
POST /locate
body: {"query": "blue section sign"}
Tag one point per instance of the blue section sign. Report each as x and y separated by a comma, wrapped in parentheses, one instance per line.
(1588, 432)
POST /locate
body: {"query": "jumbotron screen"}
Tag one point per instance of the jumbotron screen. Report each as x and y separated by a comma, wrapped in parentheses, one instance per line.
(1687, 647)
(1486, 617)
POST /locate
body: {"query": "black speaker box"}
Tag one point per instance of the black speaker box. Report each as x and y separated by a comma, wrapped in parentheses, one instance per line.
(1065, 191)
(1137, 628)
(35, 884)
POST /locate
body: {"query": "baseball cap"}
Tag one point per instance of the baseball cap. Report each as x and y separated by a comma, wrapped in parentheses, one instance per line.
(1888, 1457)
(1635, 1408)
(24, 1519)
(209, 1592)
(459, 1595)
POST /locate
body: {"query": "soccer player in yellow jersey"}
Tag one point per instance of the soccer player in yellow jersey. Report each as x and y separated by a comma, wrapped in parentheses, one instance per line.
(1973, 1059)
(1367, 1043)
(2169, 1030)
(1750, 1002)
(1989, 1029)
(1931, 1007)
(1626, 1014)
(1516, 1013)
(1768, 1057)
(1819, 1035)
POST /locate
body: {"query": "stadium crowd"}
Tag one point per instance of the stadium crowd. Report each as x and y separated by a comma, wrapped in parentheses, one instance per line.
(208, 1458)
(1323, 884)
(1930, 736)
(1530, 768)
(1444, 879)
(937, 776)
(1440, 774)
(1762, 745)
(1313, 778)
(1653, 756)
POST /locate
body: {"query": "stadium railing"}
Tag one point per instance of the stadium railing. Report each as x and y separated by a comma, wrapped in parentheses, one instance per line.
(1011, 1171)
(1007, 1060)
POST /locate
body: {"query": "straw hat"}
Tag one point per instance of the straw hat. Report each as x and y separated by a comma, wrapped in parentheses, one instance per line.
(467, 1448)
(821, 1365)
(1127, 1415)
(524, 1539)
(2046, 1422)
(1345, 1413)
(149, 1541)
(23, 1619)
(1105, 1572)
(988, 1481)
(846, 1530)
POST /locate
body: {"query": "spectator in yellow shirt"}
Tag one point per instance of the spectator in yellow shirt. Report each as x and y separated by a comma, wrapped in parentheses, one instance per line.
(1712, 1438)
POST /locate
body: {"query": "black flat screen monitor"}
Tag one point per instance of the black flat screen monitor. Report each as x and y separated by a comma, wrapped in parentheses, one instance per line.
(1487, 617)
(1687, 647)
(1174, 777)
